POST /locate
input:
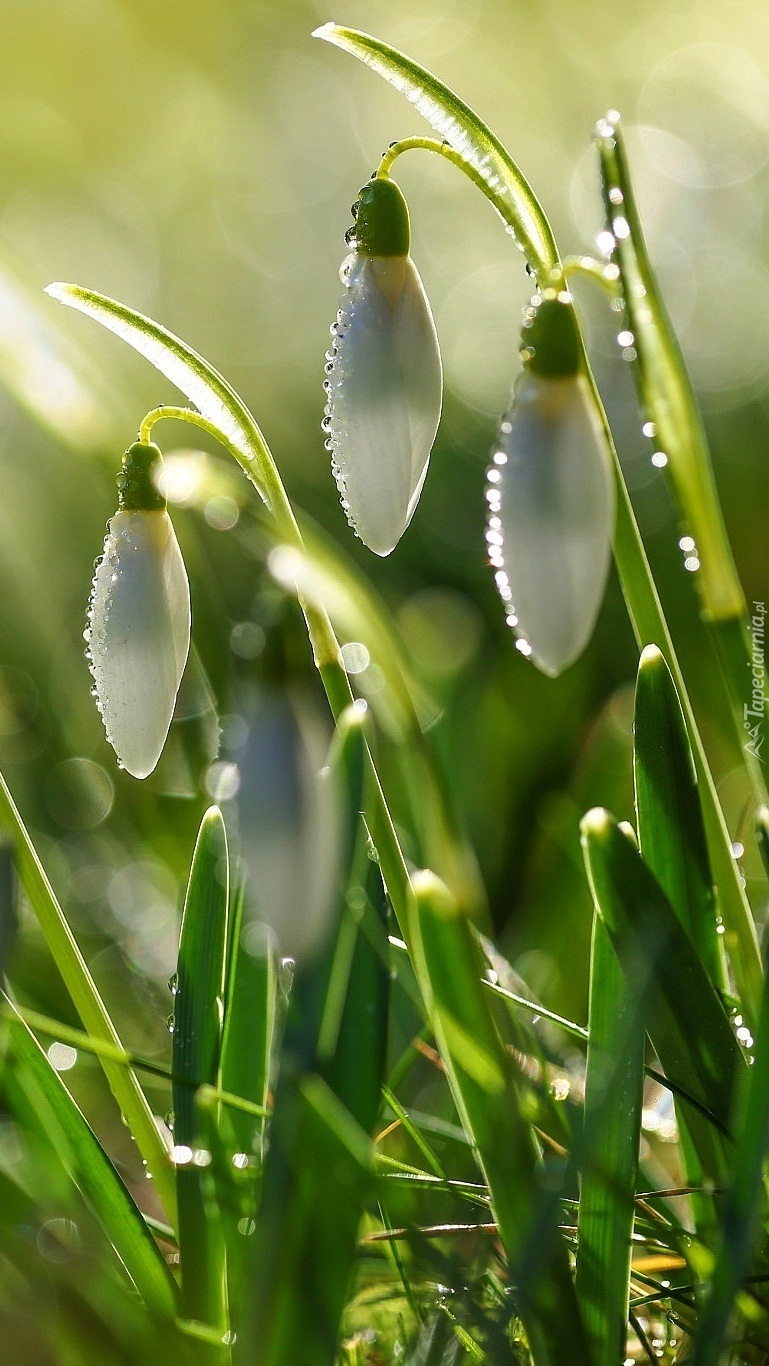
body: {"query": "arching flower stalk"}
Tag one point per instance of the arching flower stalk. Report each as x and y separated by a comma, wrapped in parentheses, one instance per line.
(138, 629)
(550, 494)
(384, 380)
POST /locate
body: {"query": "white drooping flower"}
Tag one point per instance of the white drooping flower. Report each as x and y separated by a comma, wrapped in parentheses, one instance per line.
(384, 379)
(550, 496)
(138, 629)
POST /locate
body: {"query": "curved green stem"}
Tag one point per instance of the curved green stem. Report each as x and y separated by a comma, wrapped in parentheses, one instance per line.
(601, 273)
(193, 417)
(549, 268)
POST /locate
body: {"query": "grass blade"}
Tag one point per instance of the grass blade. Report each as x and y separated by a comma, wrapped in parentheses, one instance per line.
(308, 1225)
(685, 1017)
(449, 967)
(195, 1063)
(88, 1003)
(8, 902)
(671, 832)
(505, 186)
(665, 387)
(673, 844)
(352, 1046)
(249, 1026)
(744, 1207)
(609, 1151)
(44, 1104)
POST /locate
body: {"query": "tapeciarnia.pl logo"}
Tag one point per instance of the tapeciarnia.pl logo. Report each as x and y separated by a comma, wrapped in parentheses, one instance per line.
(753, 711)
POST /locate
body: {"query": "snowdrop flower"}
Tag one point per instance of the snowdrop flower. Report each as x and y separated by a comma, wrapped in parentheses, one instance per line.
(289, 831)
(384, 379)
(138, 629)
(551, 495)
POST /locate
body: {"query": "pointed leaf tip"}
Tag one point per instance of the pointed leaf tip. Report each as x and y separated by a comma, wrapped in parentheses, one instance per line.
(595, 823)
(651, 654)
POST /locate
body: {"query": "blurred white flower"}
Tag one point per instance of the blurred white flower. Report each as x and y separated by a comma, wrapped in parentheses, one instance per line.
(288, 820)
(550, 496)
(384, 379)
(138, 629)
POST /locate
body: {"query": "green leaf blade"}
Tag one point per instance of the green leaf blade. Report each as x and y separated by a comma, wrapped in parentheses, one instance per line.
(122, 1080)
(609, 1151)
(449, 966)
(685, 1017)
(671, 830)
(51, 1109)
(195, 1063)
(665, 387)
(745, 1207)
(249, 1026)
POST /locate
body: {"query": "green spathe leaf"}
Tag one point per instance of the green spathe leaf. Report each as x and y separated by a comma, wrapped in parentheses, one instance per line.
(53, 1112)
(671, 832)
(684, 1015)
(467, 133)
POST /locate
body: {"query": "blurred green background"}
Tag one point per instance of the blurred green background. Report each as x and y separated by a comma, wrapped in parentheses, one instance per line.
(198, 161)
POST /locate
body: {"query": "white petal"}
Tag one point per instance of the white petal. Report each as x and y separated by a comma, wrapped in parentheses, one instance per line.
(288, 820)
(551, 498)
(384, 397)
(138, 635)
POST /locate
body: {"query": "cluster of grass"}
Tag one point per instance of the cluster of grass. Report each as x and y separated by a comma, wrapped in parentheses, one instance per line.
(389, 1149)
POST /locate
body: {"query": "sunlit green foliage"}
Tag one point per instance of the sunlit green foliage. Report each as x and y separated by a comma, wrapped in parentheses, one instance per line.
(327, 1071)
